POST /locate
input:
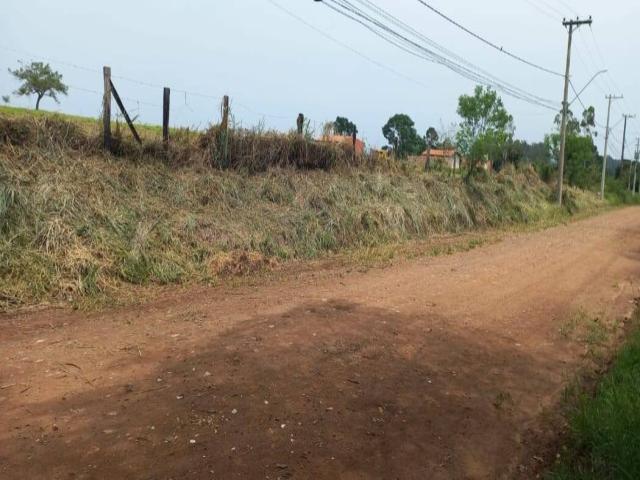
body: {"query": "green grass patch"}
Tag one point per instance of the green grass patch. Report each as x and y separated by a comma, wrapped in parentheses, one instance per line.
(604, 441)
(89, 125)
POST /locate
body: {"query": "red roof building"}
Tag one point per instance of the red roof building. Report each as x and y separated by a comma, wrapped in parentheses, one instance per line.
(345, 140)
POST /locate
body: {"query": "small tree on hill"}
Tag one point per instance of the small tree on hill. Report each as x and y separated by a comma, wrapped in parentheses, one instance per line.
(582, 162)
(573, 124)
(431, 138)
(588, 123)
(486, 126)
(343, 126)
(400, 132)
(40, 80)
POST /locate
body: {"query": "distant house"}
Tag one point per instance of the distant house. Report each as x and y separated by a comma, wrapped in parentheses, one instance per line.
(345, 140)
(447, 157)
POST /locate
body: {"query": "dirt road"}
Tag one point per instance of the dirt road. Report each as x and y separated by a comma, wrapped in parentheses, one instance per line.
(433, 368)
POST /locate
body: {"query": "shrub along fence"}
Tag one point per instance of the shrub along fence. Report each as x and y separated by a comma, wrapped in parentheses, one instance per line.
(226, 147)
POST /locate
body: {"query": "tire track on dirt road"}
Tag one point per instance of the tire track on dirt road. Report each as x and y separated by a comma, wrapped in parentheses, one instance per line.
(432, 368)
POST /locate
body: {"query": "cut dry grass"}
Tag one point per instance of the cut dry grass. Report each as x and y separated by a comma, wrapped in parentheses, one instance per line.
(240, 149)
(76, 224)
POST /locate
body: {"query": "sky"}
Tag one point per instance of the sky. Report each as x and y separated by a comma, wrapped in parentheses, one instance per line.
(278, 58)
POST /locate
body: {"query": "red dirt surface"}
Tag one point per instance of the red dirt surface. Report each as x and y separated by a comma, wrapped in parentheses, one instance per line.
(433, 368)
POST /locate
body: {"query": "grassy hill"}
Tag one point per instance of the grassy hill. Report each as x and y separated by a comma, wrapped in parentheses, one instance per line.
(78, 224)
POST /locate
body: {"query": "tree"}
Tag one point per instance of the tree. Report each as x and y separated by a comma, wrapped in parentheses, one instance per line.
(400, 132)
(588, 123)
(582, 162)
(536, 152)
(486, 127)
(431, 138)
(573, 124)
(343, 126)
(6, 98)
(40, 80)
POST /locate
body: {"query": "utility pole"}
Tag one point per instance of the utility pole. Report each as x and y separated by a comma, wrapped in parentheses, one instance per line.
(636, 157)
(606, 143)
(624, 142)
(572, 25)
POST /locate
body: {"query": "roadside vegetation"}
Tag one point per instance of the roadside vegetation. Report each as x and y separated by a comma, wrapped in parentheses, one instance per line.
(78, 224)
(81, 225)
(604, 435)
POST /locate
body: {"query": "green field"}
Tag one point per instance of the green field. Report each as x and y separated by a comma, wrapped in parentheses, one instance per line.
(604, 442)
(88, 124)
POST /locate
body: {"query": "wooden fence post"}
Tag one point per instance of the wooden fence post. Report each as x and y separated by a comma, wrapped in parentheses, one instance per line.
(300, 123)
(225, 113)
(355, 137)
(106, 108)
(224, 131)
(165, 116)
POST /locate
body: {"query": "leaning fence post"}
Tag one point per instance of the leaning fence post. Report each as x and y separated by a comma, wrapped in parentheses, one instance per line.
(165, 116)
(126, 116)
(106, 107)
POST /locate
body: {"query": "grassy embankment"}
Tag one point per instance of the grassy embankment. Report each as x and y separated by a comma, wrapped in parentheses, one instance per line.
(603, 442)
(78, 225)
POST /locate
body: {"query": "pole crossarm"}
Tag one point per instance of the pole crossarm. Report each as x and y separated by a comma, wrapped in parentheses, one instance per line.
(577, 22)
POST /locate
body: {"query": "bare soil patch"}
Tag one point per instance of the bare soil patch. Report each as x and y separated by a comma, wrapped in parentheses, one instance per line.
(441, 367)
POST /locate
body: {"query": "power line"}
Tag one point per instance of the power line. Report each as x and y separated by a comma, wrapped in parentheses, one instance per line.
(129, 99)
(487, 42)
(135, 81)
(470, 71)
(551, 7)
(569, 7)
(577, 95)
(348, 47)
(610, 77)
(617, 123)
(59, 62)
(542, 11)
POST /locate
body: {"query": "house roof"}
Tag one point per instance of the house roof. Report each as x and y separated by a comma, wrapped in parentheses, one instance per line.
(347, 140)
(440, 152)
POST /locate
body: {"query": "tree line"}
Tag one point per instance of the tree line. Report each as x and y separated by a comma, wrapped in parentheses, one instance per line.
(485, 132)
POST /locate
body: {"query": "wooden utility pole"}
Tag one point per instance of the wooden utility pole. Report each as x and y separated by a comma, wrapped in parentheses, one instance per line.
(606, 144)
(624, 143)
(354, 138)
(106, 108)
(636, 157)
(572, 25)
(165, 116)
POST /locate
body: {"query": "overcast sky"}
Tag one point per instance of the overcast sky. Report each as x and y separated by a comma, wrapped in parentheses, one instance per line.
(274, 66)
